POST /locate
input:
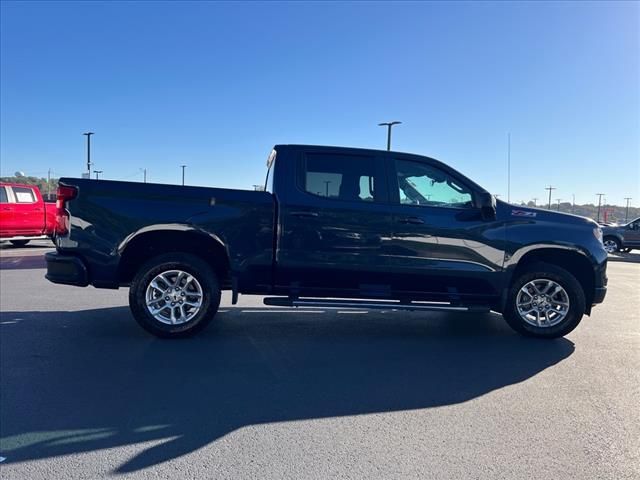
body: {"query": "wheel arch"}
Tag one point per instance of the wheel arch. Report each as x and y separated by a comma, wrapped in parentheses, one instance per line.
(152, 241)
(574, 261)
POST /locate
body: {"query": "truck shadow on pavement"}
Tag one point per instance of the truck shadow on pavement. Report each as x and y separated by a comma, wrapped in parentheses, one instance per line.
(90, 380)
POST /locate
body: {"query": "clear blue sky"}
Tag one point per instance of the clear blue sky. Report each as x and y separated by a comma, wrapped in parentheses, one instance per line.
(215, 85)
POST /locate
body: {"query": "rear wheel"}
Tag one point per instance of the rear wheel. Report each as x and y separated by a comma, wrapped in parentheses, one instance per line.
(611, 244)
(19, 243)
(174, 295)
(544, 301)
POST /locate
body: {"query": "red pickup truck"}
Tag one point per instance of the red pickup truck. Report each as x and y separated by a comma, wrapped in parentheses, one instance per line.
(24, 215)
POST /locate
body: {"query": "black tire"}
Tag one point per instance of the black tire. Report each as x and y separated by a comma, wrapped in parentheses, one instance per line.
(541, 270)
(19, 243)
(612, 241)
(190, 264)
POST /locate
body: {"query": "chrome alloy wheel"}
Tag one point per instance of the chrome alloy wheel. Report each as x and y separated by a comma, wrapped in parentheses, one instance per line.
(174, 297)
(610, 246)
(542, 303)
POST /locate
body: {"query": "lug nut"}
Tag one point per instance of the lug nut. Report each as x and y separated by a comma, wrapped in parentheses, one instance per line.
(166, 298)
(182, 294)
(173, 304)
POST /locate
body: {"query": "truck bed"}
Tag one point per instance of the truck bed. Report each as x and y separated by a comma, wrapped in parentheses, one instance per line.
(107, 216)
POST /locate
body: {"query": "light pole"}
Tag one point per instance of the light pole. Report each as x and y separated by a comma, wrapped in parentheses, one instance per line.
(88, 135)
(144, 174)
(389, 125)
(600, 195)
(535, 201)
(550, 188)
(97, 172)
(558, 200)
(626, 214)
(183, 167)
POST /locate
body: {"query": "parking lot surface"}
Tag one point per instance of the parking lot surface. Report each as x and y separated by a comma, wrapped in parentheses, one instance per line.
(311, 393)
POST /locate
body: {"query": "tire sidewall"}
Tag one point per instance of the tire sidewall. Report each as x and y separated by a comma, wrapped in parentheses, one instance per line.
(564, 279)
(190, 264)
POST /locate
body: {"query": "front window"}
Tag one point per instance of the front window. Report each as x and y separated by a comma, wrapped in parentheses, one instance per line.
(3, 195)
(423, 184)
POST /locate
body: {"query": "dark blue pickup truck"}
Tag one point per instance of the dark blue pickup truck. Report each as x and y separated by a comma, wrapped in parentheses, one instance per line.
(336, 227)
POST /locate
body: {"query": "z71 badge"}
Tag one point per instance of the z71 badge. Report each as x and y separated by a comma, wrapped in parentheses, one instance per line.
(523, 213)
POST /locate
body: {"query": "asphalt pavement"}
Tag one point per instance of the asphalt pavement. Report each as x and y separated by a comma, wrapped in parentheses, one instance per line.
(310, 393)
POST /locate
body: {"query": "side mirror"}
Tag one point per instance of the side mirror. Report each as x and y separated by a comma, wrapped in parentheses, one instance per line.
(486, 203)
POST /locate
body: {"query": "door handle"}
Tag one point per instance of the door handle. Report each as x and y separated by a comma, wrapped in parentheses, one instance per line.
(412, 220)
(304, 214)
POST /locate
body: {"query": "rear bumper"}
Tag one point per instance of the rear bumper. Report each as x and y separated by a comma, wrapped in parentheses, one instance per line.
(66, 269)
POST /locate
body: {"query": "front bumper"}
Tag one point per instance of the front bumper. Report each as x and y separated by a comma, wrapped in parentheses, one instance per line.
(66, 269)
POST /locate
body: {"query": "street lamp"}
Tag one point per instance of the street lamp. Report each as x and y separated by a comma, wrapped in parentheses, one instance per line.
(97, 172)
(389, 125)
(183, 167)
(551, 188)
(88, 135)
(626, 213)
(600, 195)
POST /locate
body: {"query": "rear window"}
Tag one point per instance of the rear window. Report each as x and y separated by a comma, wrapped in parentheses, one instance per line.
(340, 177)
(3, 195)
(24, 195)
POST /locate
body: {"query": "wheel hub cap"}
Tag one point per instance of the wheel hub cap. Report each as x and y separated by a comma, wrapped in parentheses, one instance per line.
(542, 303)
(174, 297)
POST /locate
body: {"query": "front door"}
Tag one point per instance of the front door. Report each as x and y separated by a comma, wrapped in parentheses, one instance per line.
(632, 234)
(334, 226)
(8, 219)
(441, 248)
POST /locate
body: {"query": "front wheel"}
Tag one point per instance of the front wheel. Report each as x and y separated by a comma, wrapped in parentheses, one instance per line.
(174, 295)
(544, 301)
(611, 244)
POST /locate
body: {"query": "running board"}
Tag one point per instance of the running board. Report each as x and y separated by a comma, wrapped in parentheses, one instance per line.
(369, 304)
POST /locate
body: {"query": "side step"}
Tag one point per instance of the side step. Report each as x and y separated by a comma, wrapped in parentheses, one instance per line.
(369, 304)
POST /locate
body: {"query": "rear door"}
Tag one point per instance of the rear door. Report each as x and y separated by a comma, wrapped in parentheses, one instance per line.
(334, 224)
(8, 218)
(441, 247)
(29, 211)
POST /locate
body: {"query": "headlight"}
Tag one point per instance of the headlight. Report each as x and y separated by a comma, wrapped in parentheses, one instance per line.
(597, 232)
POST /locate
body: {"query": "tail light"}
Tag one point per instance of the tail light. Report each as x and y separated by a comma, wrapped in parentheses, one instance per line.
(65, 193)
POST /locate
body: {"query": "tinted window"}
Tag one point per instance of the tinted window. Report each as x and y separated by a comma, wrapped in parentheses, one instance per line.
(24, 195)
(3, 195)
(340, 177)
(422, 184)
